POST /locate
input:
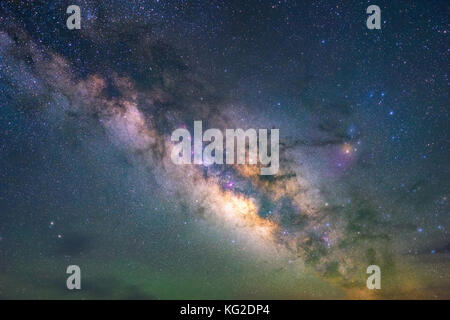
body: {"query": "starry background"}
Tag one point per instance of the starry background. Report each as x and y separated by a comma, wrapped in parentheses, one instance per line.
(85, 171)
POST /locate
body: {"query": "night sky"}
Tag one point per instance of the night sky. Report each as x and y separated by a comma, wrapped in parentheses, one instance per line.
(85, 171)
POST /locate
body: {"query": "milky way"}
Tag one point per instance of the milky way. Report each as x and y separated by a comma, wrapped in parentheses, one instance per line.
(87, 176)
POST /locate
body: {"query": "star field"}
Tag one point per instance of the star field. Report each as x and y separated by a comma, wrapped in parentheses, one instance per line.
(86, 176)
